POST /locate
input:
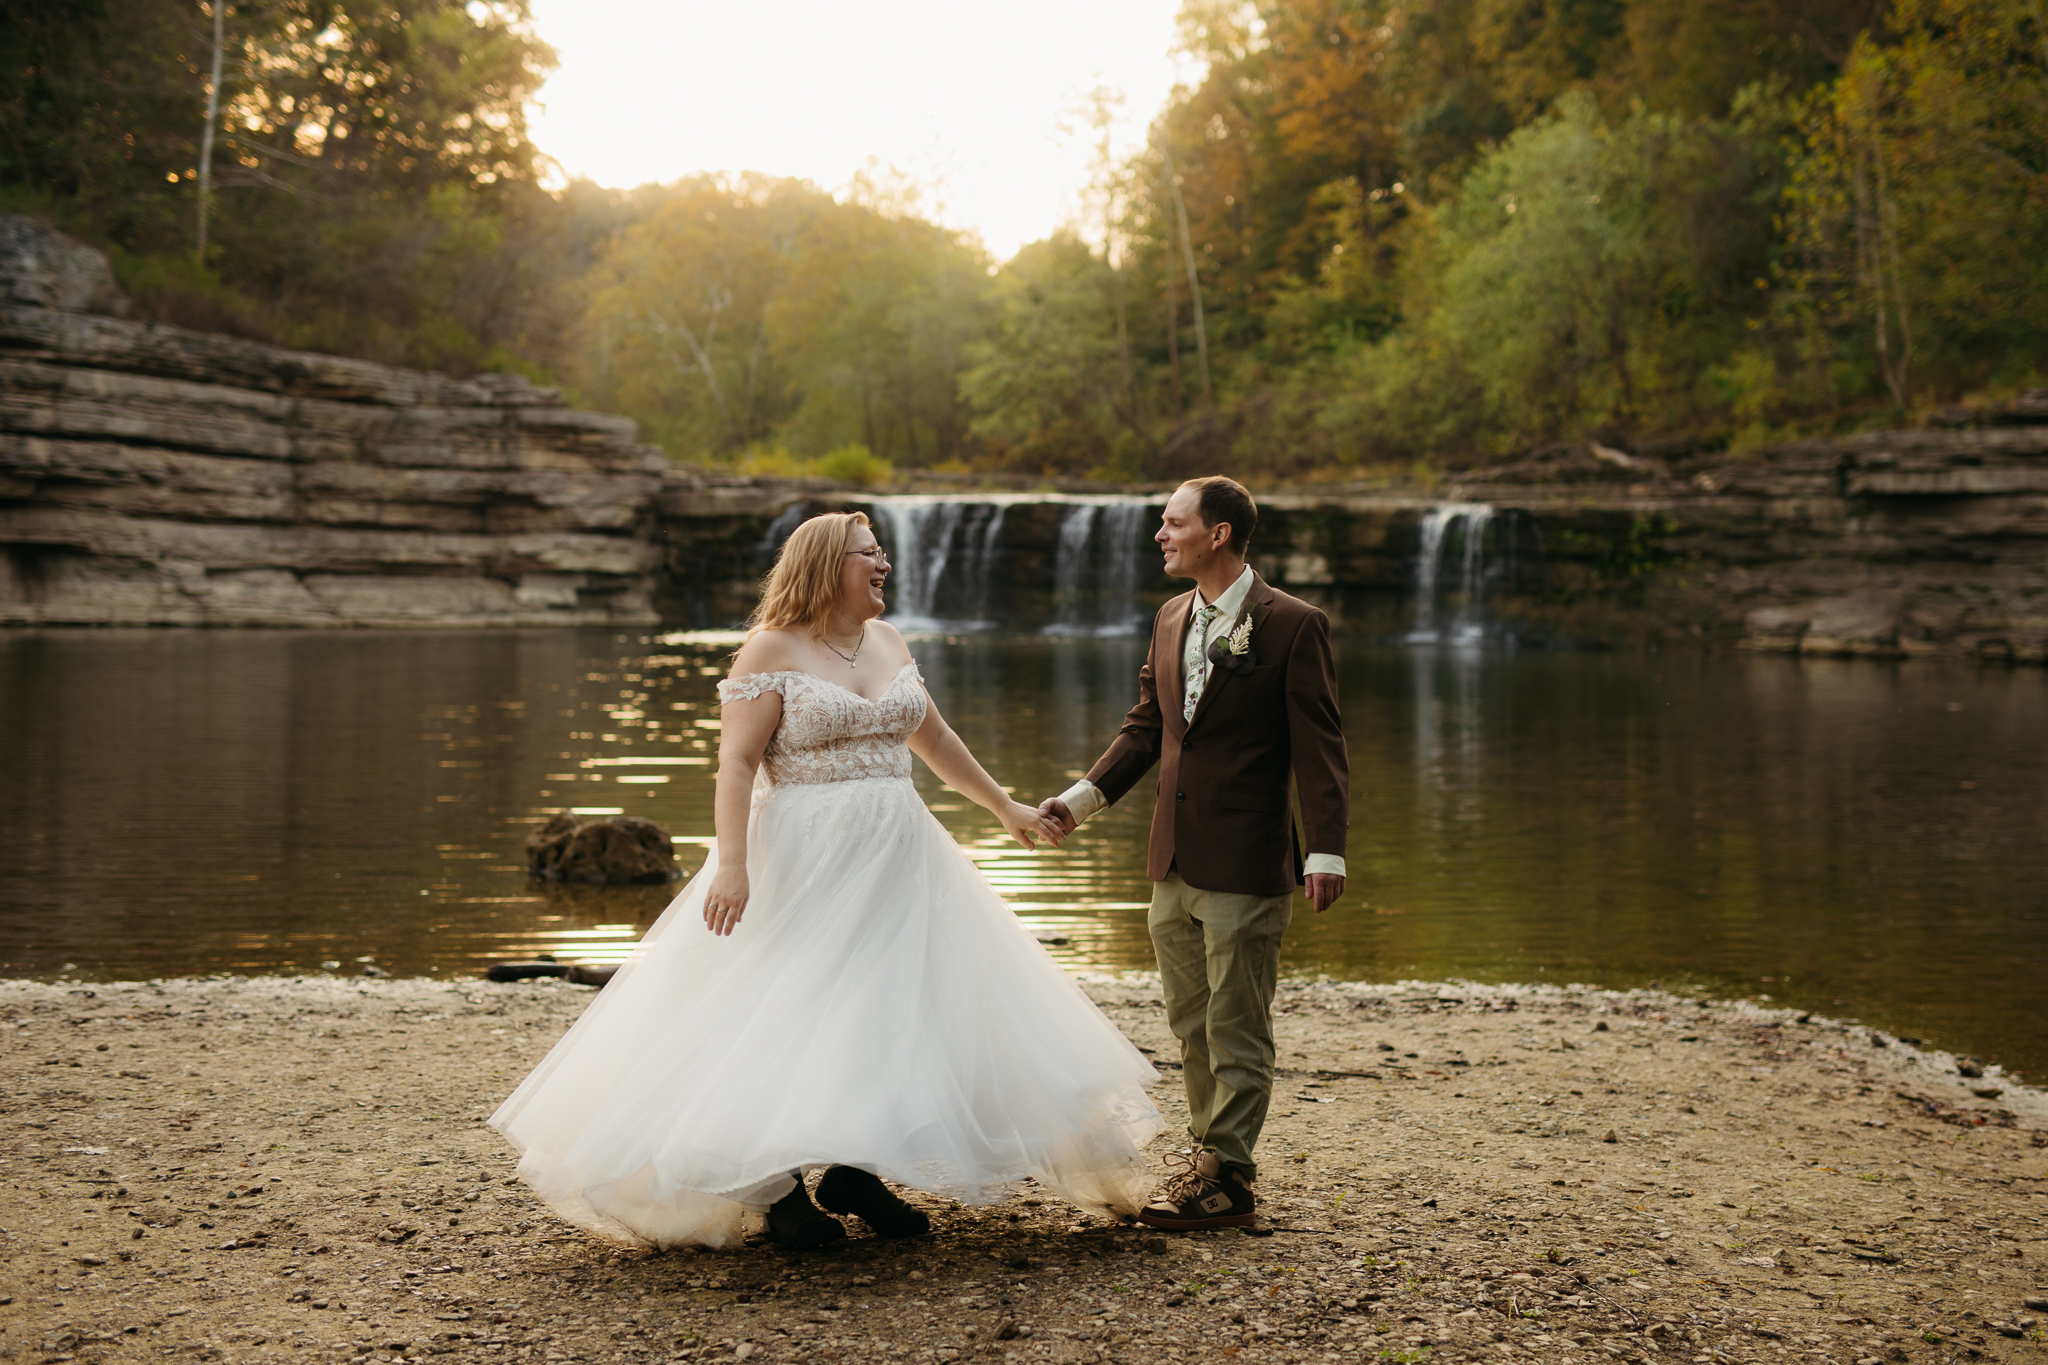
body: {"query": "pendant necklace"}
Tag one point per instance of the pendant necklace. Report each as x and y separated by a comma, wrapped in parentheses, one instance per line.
(853, 658)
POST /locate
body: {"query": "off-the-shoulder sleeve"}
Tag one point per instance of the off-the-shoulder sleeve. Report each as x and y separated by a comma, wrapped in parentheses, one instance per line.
(749, 687)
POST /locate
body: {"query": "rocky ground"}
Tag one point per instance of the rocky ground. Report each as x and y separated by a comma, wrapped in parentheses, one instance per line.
(246, 1170)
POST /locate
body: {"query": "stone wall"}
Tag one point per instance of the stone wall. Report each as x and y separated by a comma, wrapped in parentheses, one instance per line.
(156, 476)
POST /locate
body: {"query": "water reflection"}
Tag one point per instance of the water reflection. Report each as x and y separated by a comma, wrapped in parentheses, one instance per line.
(1856, 837)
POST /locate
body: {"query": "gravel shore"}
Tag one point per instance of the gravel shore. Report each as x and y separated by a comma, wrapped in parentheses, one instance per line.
(273, 1169)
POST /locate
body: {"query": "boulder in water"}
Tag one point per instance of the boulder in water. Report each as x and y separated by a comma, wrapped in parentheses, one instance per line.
(618, 850)
(576, 973)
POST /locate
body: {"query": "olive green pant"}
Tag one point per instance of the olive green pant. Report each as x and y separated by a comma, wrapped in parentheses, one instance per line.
(1219, 957)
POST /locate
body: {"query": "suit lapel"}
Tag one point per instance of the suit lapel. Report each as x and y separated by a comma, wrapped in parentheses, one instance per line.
(1166, 674)
(1261, 598)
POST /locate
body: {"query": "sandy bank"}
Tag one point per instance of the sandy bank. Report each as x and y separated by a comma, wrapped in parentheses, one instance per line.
(276, 1169)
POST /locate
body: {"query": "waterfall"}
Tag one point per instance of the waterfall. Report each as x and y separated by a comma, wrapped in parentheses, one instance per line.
(953, 566)
(1070, 570)
(1095, 579)
(1466, 626)
(780, 530)
(942, 550)
(1122, 523)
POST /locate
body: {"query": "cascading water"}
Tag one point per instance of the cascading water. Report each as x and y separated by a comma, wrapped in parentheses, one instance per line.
(1462, 620)
(949, 556)
(779, 530)
(1070, 569)
(1095, 580)
(942, 550)
(1123, 523)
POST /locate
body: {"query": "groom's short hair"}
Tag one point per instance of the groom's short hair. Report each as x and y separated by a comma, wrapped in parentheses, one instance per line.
(1221, 499)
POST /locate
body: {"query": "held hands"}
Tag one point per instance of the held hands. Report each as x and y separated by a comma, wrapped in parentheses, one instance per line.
(726, 901)
(1054, 809)
(1026, 825)
(1323, 889)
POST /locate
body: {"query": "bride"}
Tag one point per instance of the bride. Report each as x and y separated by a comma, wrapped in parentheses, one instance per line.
(839, 987)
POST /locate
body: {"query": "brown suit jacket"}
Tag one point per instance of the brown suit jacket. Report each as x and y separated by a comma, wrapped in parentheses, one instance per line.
(1223, 818)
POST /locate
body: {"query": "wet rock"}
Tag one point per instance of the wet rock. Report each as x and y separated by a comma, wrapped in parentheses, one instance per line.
(43, 268)
(541, 967)
(575, 973)
(618, 850)
(1776, 629)
(1968, 1067)
(1857, 623)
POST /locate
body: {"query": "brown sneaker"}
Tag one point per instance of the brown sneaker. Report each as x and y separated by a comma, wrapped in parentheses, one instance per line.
(1199, 1193)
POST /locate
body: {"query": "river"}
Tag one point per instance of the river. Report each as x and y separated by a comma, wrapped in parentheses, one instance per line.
(1868, 840)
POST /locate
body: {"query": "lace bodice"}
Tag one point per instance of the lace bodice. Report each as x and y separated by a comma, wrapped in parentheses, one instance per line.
(831, 734)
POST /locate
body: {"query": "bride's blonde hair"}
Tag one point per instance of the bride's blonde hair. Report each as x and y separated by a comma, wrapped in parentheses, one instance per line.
(804, 584)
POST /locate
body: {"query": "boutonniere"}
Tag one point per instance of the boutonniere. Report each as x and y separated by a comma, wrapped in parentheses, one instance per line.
(1234, 651)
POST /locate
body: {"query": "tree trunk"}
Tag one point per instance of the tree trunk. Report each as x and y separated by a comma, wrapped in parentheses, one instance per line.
(1187, 251)
(1877, 251)
(1123, 347)
(206, 139)
(1180, 401)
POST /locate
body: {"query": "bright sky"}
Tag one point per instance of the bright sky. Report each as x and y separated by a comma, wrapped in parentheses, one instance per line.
(963, 96)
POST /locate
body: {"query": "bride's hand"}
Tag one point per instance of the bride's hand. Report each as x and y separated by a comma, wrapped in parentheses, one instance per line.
(726, 900)
(1026, 825)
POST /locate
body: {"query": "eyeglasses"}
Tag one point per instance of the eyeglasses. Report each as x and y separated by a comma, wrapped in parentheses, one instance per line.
(879, 555)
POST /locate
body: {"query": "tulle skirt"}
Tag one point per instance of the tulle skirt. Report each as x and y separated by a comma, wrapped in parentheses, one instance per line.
(878, 1006)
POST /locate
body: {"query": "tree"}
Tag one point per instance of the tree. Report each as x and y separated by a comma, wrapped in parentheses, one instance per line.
(1919, 208)
(760, 311)
(1046, 380)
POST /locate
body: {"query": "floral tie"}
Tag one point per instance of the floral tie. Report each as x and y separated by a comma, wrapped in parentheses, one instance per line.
(1197, 661)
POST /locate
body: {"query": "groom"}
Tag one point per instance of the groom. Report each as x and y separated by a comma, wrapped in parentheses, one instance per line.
(1237, 693)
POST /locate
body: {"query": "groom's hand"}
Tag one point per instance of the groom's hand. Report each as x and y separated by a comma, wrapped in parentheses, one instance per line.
(1323, 889)
(1056, 809)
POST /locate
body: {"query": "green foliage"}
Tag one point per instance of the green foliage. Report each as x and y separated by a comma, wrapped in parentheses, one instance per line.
(1596, 274)
(1470, 230)
(374, 189)
(1919, 214)
(1422, 236)
(848, 464)
(1049, 382)
(855, 464)
(738, 312)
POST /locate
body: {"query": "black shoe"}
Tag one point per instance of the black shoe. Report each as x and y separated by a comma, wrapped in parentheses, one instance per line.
(1200, 1193)
(795, 1222)
(848, 1189)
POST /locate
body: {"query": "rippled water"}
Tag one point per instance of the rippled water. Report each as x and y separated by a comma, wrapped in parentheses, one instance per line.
(1862, 838)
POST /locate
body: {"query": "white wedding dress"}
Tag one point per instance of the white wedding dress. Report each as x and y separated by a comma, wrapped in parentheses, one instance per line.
(878, 1006)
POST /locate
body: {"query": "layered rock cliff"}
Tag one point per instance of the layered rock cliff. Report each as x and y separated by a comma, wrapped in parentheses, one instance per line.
(152, 475)
(1929, 541)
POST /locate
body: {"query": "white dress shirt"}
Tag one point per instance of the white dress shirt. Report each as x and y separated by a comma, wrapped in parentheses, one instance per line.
(1084, 799)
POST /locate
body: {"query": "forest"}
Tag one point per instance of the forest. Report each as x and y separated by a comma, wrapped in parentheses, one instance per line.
(1380, 238)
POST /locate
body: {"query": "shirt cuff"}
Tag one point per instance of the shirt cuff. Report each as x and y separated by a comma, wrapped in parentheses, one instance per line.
(1332, 863)
(1082, 800)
